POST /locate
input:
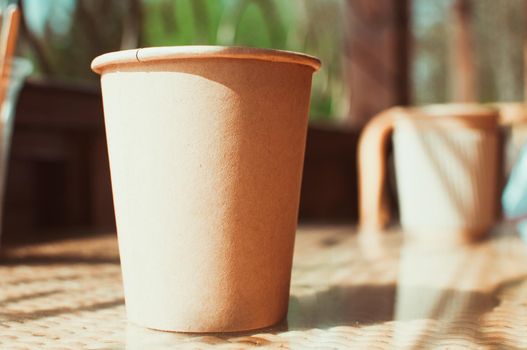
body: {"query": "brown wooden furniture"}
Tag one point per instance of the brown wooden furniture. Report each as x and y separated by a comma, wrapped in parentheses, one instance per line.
(58, 175)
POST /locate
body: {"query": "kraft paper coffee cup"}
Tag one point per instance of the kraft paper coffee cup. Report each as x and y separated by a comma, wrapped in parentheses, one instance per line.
(206, 150)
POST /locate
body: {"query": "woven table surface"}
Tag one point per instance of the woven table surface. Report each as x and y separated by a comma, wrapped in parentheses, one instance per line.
(347, 292)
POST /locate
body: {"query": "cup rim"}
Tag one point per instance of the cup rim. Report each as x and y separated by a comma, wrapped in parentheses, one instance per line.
(442, 110)
(163, 53)
(464, 115)
(511, 112)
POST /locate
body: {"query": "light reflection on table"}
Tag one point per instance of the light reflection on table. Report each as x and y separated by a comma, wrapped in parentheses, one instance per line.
(346, 293)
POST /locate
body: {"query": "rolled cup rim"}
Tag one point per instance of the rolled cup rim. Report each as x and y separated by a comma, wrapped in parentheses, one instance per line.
(453, 115)
(166, 53)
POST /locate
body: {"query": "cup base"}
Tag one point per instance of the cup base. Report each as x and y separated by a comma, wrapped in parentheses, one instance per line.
(445, 236)
(198, 330)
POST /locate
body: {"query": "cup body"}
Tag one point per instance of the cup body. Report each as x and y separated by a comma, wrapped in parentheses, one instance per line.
(447, 173)
(206, 155)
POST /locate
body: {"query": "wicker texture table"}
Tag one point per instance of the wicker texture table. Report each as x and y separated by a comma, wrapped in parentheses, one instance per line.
(346, 293)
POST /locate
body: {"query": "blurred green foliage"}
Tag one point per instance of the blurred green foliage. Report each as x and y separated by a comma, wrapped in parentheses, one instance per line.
(62, 36)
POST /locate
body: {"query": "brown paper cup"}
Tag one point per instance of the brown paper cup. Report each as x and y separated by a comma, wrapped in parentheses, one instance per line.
(206, 150)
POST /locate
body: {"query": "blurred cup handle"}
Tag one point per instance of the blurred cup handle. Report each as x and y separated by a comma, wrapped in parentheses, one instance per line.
(373, 208)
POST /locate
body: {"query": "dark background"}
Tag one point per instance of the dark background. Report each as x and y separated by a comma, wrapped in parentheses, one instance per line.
(375, 54)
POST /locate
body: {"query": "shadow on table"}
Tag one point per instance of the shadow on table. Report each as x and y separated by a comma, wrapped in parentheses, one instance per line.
(50, 236)
(365, 305)
(342, 306)
(24, 316)
(6, 301)
(35, 259)
(424, 315)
